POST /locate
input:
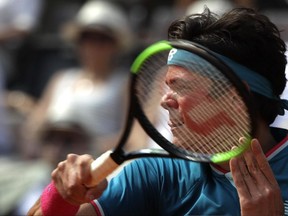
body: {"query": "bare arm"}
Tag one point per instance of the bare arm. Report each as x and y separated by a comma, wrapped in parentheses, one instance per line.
(257, 188)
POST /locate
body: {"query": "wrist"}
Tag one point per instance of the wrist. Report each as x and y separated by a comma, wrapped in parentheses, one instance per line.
(52, 203)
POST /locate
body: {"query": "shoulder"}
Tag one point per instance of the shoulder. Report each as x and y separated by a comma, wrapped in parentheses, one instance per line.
(167, 169)
(150, 178)
(139, 184)
(166, 163)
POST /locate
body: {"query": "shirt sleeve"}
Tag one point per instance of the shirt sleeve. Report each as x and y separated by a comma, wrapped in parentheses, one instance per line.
(151, 186)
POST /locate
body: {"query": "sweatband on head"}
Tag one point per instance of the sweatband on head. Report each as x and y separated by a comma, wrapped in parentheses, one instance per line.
(257, 83)
(188, 60)
(52, 203)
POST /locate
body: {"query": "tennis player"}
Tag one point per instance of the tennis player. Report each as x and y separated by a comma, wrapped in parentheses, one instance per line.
(255, 183)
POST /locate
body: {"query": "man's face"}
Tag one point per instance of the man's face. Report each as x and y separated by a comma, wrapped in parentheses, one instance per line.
(188, 96)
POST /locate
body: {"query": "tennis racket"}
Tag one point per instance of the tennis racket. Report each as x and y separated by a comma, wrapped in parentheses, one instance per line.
(217, 114)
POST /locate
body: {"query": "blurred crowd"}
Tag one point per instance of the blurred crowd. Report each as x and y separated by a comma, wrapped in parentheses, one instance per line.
(64, 73)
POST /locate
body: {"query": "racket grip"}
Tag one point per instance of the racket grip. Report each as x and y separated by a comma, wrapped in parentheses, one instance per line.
(100, 168)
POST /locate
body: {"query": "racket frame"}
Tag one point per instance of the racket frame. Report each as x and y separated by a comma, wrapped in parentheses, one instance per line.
(220, 65)
(110, 160)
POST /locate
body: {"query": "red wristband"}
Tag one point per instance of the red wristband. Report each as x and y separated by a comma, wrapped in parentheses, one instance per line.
(53, 204)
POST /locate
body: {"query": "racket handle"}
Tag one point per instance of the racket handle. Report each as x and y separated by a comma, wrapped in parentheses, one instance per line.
(100, 168)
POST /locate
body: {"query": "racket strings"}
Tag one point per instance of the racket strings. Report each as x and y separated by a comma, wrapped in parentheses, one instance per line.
(150, 83)
(204, 113)
(223, 101)
(223, 138)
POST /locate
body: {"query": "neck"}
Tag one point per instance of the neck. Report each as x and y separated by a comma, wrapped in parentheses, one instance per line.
(97, 73)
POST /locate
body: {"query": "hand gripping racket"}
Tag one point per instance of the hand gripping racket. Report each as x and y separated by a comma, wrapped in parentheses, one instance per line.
(213, 108)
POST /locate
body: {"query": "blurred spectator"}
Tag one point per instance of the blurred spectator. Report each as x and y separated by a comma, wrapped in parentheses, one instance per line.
(92, 96)
(83, 108)
(43, 52)
(18, 19)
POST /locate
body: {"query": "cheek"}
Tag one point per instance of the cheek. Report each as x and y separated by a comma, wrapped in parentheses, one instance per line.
(186, 105)
(192, 103)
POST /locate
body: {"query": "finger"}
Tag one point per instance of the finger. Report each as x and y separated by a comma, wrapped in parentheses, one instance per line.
(251, 162)
(264, 180)
(248, 178)
(75, 194)
(260, 183)
(56, 175)
(262, 162)
(74, 171)
(271, 189)
(85, 174)
(238, 178)
(253, 167)
(67, 182)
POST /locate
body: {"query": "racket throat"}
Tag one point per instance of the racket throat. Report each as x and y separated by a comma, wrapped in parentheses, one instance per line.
(118, 156)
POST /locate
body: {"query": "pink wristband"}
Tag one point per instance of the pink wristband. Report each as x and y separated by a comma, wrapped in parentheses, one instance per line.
(53, 204)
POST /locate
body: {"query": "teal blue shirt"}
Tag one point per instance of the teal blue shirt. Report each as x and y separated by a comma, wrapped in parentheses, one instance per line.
(162, 186)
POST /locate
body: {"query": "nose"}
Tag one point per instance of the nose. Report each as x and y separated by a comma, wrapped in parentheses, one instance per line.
(169, 101)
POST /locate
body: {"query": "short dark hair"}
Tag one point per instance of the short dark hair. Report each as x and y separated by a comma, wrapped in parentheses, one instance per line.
(248, 38)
